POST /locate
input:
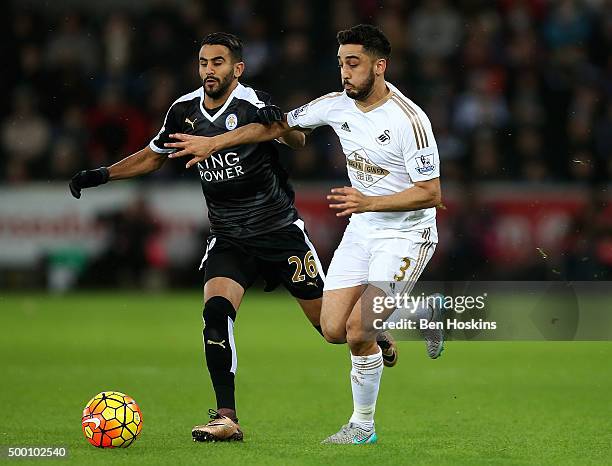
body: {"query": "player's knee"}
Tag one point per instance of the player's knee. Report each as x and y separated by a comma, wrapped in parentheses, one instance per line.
(333, 333)
(218, 308)
(335, 338)
(216, 312)
(355, 334)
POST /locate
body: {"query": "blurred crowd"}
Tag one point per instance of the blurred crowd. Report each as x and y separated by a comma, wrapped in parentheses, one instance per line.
(515, 89)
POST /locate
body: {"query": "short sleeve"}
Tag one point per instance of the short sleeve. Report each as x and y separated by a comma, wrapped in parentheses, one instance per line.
(311, 115)
(172, 124)
(420, 150)
(264, 99)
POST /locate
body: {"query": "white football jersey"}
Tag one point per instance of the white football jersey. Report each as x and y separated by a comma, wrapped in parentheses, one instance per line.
(387, 146)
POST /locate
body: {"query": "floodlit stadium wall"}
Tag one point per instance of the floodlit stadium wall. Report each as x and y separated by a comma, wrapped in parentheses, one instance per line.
(512, 226)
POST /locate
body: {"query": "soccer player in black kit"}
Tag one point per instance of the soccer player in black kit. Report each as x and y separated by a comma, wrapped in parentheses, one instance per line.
(255, 227)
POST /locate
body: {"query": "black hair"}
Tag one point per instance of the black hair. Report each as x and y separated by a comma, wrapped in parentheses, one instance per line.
(231, 41)
(372, 39)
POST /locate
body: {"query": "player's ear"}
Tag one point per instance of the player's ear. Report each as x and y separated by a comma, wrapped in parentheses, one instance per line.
(380, 66)
(238, 69)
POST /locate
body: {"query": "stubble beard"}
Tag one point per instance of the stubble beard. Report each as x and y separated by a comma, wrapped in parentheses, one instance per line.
(364, 91)
(224, 84)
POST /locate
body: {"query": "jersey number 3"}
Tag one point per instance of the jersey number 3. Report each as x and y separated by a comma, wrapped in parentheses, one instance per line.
(310, 266)
(398, 277)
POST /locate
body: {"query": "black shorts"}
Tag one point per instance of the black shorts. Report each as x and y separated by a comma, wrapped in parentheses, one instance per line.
(283, 256)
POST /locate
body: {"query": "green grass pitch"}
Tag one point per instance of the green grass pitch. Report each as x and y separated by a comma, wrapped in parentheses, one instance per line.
(481, 403)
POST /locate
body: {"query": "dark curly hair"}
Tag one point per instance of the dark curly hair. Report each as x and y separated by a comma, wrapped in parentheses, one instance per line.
(231, 41)
(373, 40)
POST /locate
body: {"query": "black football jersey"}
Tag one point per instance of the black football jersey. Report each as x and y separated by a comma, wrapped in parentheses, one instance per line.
(245, 187)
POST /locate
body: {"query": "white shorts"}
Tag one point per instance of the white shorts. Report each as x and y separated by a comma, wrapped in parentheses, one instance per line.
(364, 256)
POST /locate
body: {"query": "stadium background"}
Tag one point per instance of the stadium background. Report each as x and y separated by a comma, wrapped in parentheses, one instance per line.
(518, 92)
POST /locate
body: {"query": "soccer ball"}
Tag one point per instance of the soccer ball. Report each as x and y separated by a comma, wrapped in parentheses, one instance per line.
(111, 420)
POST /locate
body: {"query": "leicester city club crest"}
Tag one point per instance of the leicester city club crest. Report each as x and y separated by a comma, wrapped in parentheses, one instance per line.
(231, 121)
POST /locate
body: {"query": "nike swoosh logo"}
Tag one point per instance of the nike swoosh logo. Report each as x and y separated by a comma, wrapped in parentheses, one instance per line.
(360, 442)
(95, 420)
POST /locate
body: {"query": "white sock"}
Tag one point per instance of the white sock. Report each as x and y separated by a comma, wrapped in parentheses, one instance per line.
(365, 381)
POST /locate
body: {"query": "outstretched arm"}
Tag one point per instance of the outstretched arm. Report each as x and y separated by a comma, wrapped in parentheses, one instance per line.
(277, 125)
(201, 147)
(140, 163)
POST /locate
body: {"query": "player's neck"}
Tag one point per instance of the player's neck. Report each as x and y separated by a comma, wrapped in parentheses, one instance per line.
(211, 103)
(379, 92)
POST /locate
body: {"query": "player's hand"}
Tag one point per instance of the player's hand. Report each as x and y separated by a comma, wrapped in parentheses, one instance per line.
(348, 201)
(269, 114)
(88, 179)
(200, 147)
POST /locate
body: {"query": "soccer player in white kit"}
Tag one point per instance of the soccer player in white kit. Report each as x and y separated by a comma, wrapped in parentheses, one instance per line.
(393, 165)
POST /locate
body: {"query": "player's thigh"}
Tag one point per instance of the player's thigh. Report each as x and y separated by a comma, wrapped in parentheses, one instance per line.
(346, 279)
(228, 271)
(397, 263)
(350, 264)
(336, 308)
(289, 257)
(312, 309)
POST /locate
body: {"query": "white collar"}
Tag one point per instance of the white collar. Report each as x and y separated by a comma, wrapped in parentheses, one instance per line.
(237, 89)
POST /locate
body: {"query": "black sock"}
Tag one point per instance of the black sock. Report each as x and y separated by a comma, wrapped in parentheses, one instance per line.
(219, 316)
